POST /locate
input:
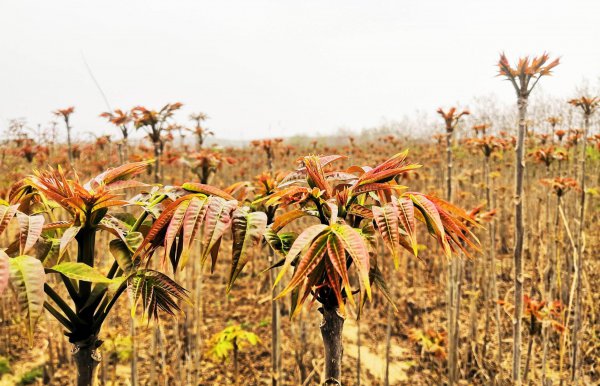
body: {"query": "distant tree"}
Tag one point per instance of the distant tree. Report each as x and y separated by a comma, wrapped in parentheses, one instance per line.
(66, 114)
(524, 77)
(155, 123)
(201, 133)
(588, 106)
(122, 120)
(451, 119)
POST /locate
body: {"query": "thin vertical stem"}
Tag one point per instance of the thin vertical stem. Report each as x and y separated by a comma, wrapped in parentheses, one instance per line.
(388, 344)
(519, 239)
(578, 269)
(275, 331)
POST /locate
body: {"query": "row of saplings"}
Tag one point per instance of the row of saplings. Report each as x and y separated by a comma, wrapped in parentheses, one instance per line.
(333, 260)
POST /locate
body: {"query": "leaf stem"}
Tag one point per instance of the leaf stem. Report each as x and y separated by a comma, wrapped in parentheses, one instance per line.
(64, 307)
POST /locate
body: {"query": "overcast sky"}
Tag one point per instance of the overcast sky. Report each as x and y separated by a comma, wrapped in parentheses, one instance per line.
(276, 68)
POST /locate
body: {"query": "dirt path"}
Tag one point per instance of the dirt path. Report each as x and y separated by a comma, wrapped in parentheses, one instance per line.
(373, 358)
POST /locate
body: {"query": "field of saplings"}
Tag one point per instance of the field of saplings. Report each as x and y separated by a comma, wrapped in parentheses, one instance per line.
(157, 255)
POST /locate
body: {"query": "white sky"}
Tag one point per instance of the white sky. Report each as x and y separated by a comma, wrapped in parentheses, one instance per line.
(278, 68)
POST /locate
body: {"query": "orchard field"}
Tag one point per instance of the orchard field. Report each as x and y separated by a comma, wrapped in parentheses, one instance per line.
(151, 256)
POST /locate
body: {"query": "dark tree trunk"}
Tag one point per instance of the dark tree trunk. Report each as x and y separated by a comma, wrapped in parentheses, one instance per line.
(87, 358)
(332, 326)
(125, 147)
(235, 362)
(157, 162)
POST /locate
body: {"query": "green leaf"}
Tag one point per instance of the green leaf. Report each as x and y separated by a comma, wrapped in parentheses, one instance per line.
(80, 271)
(125, 218)
(378, 281)
(134, 240)
(104, 289)
(248, 229)
(122, 254)
(280, 242)
(47, 251)
(27, 278)
(66, 238)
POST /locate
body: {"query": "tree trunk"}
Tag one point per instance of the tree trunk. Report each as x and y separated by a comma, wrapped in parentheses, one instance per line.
(331, 332)
(388, 344)
(133, 352)
(519, 239)
(275, 340)
(529, 348)
(275, 328)
(580, 242)
(125, 149)
(69, 146)
(235, 362)
(449, 165)
(157, 156)
(120, 151)
(301, 348)
(358, 359)
(492, 258)
(549, 277)
(454, 296)
(454, 268)
(87, 358)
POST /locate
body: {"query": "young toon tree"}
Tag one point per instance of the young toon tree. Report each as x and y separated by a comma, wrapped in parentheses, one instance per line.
(205, 164)
(524, 76)
(231, 339)
(154, 124)
(66, 114)
(588, 105)
(172, 218)
(200, 132)
(451, 119)
(349, 207)
(121, 119)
